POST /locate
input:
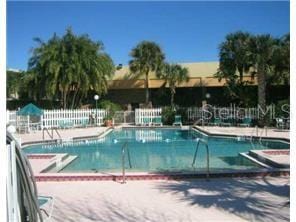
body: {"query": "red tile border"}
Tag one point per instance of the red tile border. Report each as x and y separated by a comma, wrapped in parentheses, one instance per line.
(39, 156)
(277, 152)
(44, 178)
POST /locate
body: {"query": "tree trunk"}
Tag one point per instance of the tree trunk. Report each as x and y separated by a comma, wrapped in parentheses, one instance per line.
(172, 97)
(62, 98)
(74, 98)
(147, 88)
(65, 99)
(261, 95)
(77, 99)
(241, 75)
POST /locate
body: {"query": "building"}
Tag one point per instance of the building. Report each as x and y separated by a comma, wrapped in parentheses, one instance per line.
(125, 88)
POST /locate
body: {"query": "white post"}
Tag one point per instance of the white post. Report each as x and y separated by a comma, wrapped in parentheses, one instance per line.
(13, 205)
(28, 123)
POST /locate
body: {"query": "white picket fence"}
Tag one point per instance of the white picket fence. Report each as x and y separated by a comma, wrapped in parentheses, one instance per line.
(11, 117)
(59, 117)
(147, 114)
(77, 117)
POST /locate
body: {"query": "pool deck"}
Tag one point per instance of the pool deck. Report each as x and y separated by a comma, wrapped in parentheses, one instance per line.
(245, 131)
(231, 199)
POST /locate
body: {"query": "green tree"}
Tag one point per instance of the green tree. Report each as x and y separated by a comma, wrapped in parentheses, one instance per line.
(146, 57)
(12, 83)
(262, 55)
(280, 68)
(173, 74)
(235, 55)
(262, 48)
(234, 62)
(68, 67)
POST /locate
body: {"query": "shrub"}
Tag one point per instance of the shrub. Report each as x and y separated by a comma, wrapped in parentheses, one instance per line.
(282, 109)
(183, 113)
(110, 107)
(168, 115)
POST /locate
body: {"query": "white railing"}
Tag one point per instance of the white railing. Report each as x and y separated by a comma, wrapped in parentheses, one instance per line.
(11, 117)
(147, 114)
(75, 117)
(61, 118)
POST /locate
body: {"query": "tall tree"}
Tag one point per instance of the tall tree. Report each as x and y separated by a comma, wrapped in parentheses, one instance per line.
(173, 74)
(235, 55)
(70, 66)
(234, 62)
(12, 83)
(280, 73)
(147, 57)
(262, 48)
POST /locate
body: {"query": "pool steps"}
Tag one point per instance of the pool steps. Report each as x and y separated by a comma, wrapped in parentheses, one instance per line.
(59, 162)
(248, 156)
(268, 159)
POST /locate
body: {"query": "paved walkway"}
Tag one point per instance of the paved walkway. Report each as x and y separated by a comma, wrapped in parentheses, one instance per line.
(246, 131)
(265, 199)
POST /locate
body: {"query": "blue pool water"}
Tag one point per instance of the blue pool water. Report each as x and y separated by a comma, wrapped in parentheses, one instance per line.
(157, 150)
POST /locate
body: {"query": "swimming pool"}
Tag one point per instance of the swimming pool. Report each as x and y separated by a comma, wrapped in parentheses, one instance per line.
(157, 150)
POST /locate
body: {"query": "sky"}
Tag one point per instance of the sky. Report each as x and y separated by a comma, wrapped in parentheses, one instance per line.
(186, 31)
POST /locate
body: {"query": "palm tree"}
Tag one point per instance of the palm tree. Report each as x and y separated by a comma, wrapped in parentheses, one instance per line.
(262, 48)
(69, 67)
(173, 75)
(234, 55)
(147, 57)
(281, 61)
(234, 62)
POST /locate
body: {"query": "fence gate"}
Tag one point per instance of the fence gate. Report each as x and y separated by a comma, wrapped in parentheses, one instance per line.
(127, 117)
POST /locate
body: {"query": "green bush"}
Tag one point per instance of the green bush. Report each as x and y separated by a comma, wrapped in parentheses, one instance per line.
(282, 109)
(168, 115)
(183, 113)
(110, 107)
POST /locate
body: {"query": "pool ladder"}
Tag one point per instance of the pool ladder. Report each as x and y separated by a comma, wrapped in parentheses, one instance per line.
(208, 155)
(51, 135)
(124, 150)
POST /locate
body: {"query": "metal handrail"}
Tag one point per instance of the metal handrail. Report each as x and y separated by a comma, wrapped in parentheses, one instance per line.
(57, 132)
(208, 155)
(51, 135)
(261, 134)
(45, 129)
(125, 149)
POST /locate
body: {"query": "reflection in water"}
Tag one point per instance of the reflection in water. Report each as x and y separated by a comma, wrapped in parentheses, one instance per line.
(148, 135)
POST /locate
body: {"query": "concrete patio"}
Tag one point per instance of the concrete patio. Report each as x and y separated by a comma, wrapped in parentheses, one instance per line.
(262, 199)
(246, 131)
